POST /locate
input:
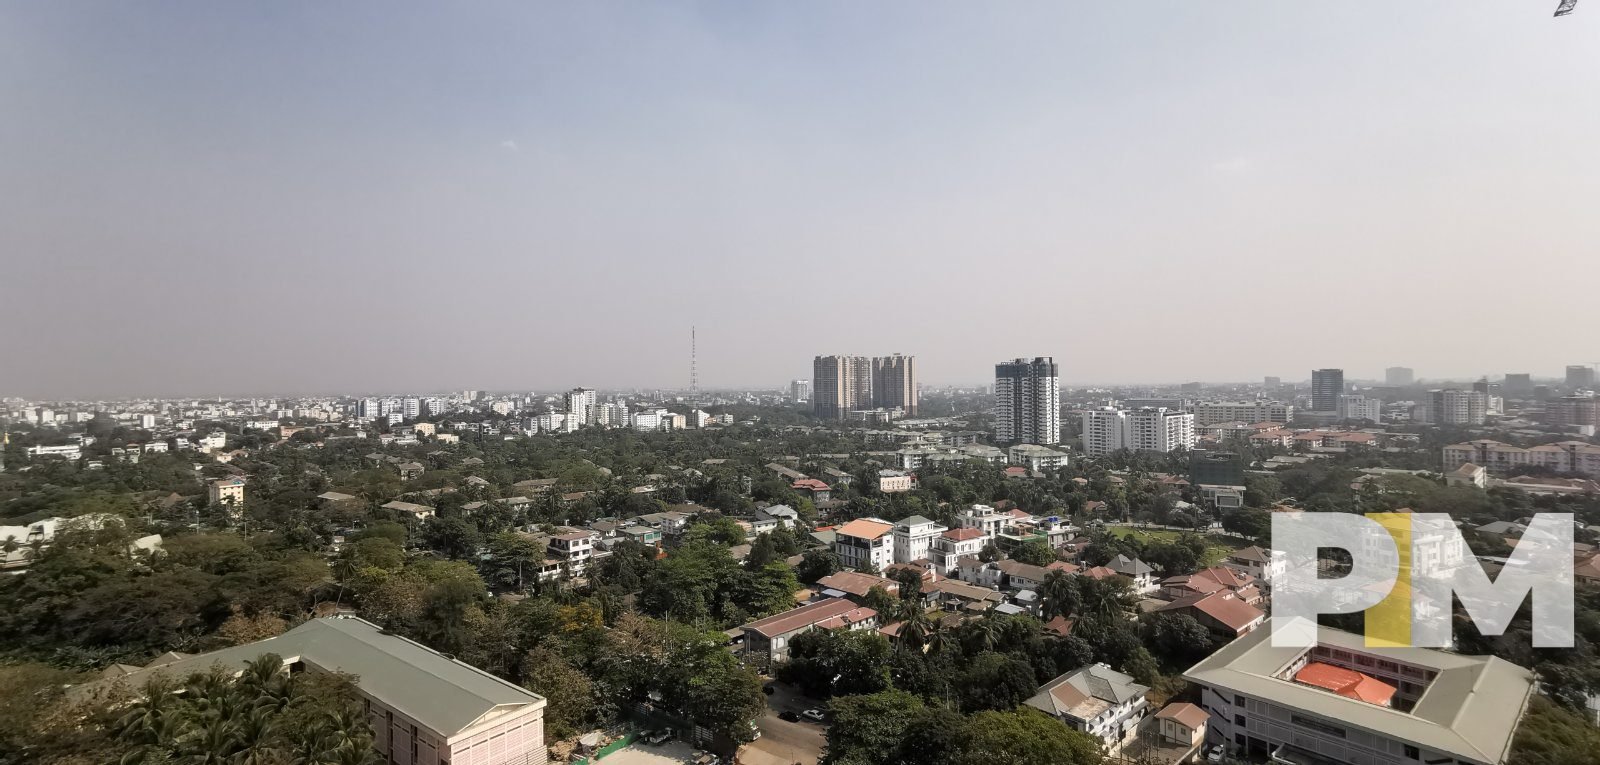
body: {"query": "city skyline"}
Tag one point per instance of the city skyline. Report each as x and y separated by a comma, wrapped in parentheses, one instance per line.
(359, 196)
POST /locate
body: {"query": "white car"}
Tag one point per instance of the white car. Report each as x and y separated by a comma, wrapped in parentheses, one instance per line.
(814, 715)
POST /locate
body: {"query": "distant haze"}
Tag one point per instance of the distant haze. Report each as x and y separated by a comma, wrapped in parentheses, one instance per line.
(207, 198)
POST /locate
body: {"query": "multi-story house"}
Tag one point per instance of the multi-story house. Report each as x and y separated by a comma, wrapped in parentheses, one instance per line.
(913, 538)
(947, 549)
(1096, 700)
(987, 520)
(865, 543)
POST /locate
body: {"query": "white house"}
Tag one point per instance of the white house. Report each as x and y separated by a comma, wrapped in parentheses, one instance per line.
(913, 538)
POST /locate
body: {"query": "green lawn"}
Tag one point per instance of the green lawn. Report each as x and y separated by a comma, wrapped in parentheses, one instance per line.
(1216, 550)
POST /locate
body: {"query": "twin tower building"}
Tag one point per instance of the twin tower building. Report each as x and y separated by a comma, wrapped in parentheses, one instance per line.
(844, 384)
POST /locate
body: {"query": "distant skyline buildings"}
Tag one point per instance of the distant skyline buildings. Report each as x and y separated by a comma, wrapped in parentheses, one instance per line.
(1399, 376)
(843, 384)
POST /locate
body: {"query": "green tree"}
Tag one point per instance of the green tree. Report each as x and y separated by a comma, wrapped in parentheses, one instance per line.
(1024, 736)
(1034, 552)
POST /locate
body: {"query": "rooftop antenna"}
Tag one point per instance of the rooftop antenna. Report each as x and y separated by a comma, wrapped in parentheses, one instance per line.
(694, 372)
(1566, 7)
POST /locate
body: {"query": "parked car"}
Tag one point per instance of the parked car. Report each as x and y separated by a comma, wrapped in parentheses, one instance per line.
(1215, 755)
(789, 716)
(657, 737)
(814, 715)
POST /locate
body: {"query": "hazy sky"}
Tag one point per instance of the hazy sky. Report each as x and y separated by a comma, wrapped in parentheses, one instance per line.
(225, 197)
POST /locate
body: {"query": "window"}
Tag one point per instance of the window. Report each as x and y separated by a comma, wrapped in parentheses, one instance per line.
(1413, 753)
(1238, 720)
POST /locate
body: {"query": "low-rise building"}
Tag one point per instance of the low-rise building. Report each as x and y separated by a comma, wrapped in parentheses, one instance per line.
(766, 641)
(894, 481)
(225, 491)
(1258, 563)
(951, 546)
(425, 708)
(1445, 707)
(1036, 458)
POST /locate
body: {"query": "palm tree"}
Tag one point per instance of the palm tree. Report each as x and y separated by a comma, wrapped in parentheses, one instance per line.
(1060, 594)
(214, 744)
(255, 738)
(942, 640)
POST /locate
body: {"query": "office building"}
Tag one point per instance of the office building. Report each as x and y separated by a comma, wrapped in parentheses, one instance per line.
(894, 383)
(581, 406)
(1452, 406)
(1028, 401)
(1344, 702)
(1491, 393)
(1518, 382)
(1354, 406)
(1580, 376)
(1151, 429)
(840, 384)
(800, 391)
(1207, 413)
(1398, 377)
(1326, 387)
(1271, 383)
(424, 707)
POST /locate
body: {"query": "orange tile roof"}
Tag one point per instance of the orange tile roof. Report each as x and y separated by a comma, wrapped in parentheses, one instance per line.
(1346, 682)
(862, 528)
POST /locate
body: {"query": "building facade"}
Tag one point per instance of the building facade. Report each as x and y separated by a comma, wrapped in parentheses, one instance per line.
(1326, 387)
(840, 384)
(1207, 413)
(1399, 376)
(1028, 401)
(894, 383)
(1452, 406)
(1155, 429)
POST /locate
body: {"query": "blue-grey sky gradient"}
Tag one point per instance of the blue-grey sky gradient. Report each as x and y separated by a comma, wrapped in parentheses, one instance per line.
(204, 198)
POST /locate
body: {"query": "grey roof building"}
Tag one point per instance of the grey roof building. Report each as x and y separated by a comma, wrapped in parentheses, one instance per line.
(1096, 700)
(419, 699)
(1437, 706)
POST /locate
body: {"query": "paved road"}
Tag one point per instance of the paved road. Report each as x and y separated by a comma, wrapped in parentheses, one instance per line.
(783, 742)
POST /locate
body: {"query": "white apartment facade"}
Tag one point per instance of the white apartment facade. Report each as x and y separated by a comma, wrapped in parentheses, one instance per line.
(1150, 429)
(1035, 457)
(987, 520)
(865, 543)
(913, 538)
(1578, 457)
(1354, 406)
(580, 403)
(1208, 413)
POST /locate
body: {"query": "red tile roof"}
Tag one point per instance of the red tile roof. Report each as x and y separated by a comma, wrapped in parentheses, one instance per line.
(1346, 682)
(962, 534)
(862, 528)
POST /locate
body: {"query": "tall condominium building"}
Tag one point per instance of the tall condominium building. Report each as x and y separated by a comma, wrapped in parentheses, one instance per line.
(1326, 387)
(1027, 397)
(411, 408)
(433, 407)
(581, 406)
(894, 383)
(800, 391)
(1518, 382)
(1271, 382)
(1207, 413)
(1151, 429)
(368, 407)
(1398, 376)
(1580, 376)
(1452, 406)
(840, 384)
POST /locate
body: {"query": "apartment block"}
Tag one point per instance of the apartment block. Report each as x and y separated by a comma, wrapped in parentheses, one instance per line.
(1028, 401)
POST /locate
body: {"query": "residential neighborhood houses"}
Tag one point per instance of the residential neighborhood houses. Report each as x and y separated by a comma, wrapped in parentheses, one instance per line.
(1139, 584)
